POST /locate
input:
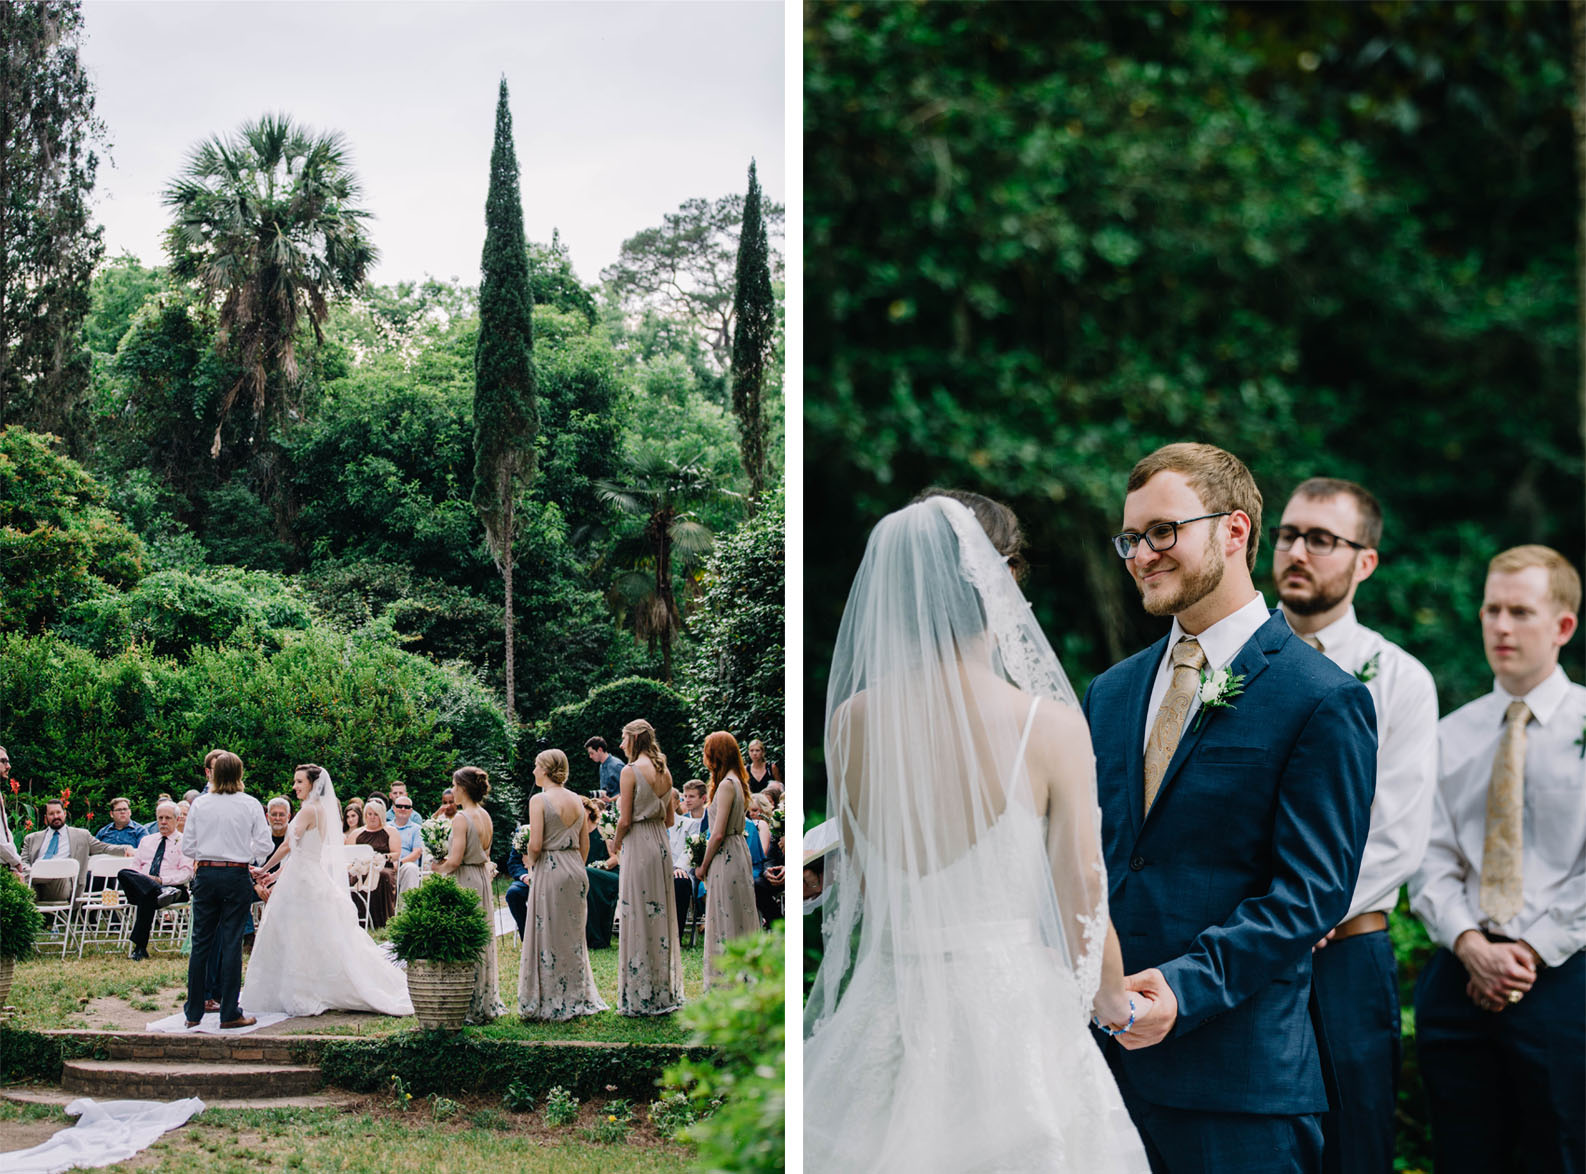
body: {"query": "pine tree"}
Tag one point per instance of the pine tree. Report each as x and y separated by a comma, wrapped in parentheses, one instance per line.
(48, 249)
(754, 311)
(506, 416)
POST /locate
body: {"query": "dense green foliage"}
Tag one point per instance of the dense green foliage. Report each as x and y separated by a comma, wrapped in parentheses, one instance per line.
(606, 710)
(753, 335)
(170, 613)
(20, 920)
(440, 921)
(48, 247)
(735, 680)
(743, 1021)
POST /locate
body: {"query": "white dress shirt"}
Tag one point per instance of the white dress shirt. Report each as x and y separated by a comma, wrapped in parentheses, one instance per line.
(1401, 813)
(227, 827)
(682, 828)
(1446, 892)
(1221, 643)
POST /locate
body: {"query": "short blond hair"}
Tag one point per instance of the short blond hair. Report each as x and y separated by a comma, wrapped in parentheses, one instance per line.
(1220, 479)
(1563, 581)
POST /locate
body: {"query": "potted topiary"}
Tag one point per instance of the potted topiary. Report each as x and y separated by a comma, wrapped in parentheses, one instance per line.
(20, 925)
(440, 932)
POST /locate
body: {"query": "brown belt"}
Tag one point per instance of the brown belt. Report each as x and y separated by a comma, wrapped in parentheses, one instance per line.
(221, 863)
(1364, 923)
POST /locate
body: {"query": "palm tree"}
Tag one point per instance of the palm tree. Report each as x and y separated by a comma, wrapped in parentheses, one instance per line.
(266, 225)
(659, 490)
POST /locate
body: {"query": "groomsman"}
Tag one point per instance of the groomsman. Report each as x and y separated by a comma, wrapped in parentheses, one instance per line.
(1324, 548)
(1500, 1011)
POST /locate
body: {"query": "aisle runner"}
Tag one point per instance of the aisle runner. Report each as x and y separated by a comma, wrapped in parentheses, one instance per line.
(105, 1134)
(210, 1025)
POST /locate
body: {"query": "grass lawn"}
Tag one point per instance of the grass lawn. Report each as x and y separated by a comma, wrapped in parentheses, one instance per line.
(97, 990)
(376, 1138)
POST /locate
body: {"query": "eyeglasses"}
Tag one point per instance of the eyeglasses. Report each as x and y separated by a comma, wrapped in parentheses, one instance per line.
(403, 806)
(1159, 537)
(1316, 541)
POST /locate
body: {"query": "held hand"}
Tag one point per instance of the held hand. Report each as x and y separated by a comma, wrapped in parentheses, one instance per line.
(1497, 969)
(775, 874)
(1155, 1015)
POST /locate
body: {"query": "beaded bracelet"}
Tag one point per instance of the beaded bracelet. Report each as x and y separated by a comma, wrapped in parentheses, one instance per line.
(1105, 1030)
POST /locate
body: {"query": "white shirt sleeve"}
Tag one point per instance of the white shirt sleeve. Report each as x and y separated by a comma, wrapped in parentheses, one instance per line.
(1437, 890)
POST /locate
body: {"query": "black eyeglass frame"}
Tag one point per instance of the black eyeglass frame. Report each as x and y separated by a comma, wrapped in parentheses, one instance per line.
(1276, 535)
(1120, 539)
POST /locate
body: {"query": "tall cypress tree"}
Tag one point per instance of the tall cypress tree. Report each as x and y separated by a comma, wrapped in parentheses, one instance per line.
(506, 416)
(48, 248)
(754, 313)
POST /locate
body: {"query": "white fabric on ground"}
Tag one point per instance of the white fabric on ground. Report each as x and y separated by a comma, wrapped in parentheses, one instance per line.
(210, 1024)
(106, 1133)
(504, 922)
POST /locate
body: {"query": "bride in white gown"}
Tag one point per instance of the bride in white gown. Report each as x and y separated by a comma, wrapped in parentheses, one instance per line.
(967, 943)
(310, 954)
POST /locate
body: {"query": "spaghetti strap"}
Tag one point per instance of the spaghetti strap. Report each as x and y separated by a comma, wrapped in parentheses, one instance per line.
(1024, 739)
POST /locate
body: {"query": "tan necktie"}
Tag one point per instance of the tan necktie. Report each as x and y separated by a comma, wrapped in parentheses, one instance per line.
(1314, 643)
(1501, 895)
(1188, 660)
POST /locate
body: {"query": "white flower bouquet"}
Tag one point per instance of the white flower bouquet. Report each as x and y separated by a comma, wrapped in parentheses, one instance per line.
(520, 839)
(437, 836)
(606, 825)
(695, 844)
(778, 821)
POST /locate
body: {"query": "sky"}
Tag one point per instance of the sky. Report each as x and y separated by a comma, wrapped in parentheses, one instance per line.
(621, 111)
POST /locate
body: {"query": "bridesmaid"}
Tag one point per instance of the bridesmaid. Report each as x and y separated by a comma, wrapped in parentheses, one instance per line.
(554, 978)
(467, 855)
(730, 910)
(649, 954)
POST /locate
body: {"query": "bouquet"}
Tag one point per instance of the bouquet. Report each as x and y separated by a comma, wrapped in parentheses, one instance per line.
(695, 844)
(520, 839)
(437, 836)
(606, 825)
(777, 820)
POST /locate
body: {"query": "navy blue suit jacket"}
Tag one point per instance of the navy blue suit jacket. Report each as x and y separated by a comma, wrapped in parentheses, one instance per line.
(1248, 856)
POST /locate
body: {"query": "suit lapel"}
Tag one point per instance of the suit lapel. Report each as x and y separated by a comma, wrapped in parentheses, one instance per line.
(1250, 662)
(1139, 698)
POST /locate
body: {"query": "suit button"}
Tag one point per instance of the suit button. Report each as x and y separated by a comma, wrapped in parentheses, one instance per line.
(1136, 863)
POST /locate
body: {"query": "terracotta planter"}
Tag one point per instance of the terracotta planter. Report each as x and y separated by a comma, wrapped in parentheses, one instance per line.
(7, 971)
(440, 992)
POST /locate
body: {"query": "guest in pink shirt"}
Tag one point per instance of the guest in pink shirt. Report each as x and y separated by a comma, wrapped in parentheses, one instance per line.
(159, 876)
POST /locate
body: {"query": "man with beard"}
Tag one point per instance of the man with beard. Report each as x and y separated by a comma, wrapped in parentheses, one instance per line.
(1325, 547)
(55, 840)
(1235, 769)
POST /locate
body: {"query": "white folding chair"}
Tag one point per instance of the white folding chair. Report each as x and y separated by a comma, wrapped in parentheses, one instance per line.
(93, 920)
(171, 927)
(363, 877)
(57, 914)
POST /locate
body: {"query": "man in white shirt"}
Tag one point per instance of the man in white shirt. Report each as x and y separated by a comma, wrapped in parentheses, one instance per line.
(226, 832)
(1500, 1011)
(1324, 548)
(686, 824)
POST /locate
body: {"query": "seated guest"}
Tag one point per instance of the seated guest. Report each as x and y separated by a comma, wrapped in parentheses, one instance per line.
(384, 800)
(181, 814)
(189, 795)
(159, 876)
(55, 840)
(760, 809)
(448, 807)
(407, 827)
(387, 847)
(690, 820)
(121, 830)
(770, 882)
(517, 894)
(354, 821)
(774, 792)
(602, 883)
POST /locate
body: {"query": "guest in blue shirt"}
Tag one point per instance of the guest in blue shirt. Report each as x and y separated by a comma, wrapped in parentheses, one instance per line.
(121, 830)
(517, 895)
(610, 766)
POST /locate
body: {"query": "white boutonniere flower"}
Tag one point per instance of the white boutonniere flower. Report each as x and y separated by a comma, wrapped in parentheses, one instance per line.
(1218, 690)
(1581, 741)
(1368, 671)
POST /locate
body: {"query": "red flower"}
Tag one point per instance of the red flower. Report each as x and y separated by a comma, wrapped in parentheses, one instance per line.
(15, 786)
(28, 823)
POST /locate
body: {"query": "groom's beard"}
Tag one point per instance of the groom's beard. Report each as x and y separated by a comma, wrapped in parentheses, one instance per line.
(1192, 588)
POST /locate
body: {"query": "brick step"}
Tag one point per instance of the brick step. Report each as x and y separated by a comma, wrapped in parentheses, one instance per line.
(213, 1049)
(168, 1079)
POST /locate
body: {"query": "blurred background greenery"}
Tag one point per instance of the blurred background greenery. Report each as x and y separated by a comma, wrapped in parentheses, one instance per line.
(1042, 240)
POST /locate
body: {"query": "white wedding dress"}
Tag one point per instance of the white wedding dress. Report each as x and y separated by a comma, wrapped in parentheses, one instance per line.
(310, 954)
(947, 1032)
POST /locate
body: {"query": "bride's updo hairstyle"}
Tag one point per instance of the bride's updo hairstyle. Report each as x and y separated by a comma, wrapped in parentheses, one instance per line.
(227, 774)
(999, 522)
(310, 769)
(643, 735)
(722, 757)
(554, 763)
(473, 782)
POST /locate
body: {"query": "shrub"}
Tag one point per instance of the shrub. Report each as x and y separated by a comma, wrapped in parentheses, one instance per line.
(20, 921)
(170, 613)
(561, 1107)
(442, 1108)
(606, 710)
(440, 921)
(671, 1114)
(744, 1022)
(518, 1098)
(610, 1130)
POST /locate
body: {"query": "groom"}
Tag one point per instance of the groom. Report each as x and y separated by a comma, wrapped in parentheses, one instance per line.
(1234, 811)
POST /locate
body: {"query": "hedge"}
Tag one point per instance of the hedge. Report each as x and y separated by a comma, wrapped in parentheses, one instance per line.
(604, 712)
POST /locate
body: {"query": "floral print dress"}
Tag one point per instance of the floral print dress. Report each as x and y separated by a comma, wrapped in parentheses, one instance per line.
(554, 978)
(472, 874)
(649, 954)
(730, 909)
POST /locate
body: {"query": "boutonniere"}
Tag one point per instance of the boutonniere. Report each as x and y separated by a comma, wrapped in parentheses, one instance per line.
(1581, 741)
(1366, 672)
(1218, 691)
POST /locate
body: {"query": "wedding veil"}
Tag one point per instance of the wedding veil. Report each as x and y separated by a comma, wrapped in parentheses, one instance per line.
(322, 797)
(948, 847)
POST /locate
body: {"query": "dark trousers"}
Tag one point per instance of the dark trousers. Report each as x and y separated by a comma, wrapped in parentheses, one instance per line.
(221, 900)
(1507, 1090)
(1355, 1007)
(682, 890)
(1200, 1141)
(517, 898)
(143, 894)
(767, 898)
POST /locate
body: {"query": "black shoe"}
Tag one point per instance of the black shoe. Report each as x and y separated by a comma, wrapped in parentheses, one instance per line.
(139, 953)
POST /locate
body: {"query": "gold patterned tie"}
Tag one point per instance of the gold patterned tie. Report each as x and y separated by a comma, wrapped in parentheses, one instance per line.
(1188, 660)
(1314, 643)
(1501, 896)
